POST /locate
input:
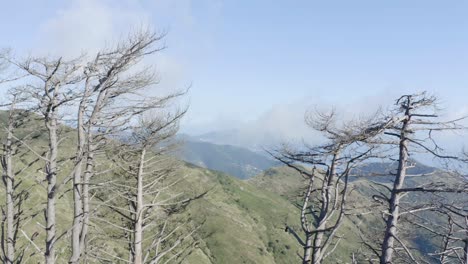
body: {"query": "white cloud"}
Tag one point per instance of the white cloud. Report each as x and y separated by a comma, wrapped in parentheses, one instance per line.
(87, 26)
(285, 122)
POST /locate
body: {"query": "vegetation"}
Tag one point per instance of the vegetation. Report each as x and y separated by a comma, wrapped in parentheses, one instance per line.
(90, 175)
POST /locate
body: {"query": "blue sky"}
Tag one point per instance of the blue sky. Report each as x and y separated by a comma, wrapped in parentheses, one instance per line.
(266, 62)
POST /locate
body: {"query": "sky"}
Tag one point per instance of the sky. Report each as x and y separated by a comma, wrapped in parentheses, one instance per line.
(259, 65)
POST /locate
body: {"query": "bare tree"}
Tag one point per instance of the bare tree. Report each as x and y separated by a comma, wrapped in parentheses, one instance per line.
(13, 169)
(8, 176)
(8, 255)
(17, 161)
(51, 86)
(332, 164)
(413, 123)
(141, 194)
(110, 97)
(448, 224)
(455, 240)
(105, 94)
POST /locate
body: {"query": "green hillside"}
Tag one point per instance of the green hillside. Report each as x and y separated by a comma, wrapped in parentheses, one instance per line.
(239, 221)
(290, 185)
(245, 220)
(243, 224)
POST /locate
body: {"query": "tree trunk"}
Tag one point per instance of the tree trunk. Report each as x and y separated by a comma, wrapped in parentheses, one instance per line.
(138, 237)
(307, 249)
(317, 248)
(307, 257)
(85, 196)
(465, 251)
(388, 245)
(317, 253)
(77, 191)
(51, 174)
(89, 169)
(77, 216)
(8, 180)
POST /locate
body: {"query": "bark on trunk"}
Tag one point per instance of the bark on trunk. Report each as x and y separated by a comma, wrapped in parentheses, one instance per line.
(317, 248)
(77, 191)
(8, 180)
(77, 217)
(85, 196)
(388, 245)
(317, 253)
(138, 237)
(465, 253)
(307, 249)
(307, 257)
(51, 174)
(88, 153)
(89, 170)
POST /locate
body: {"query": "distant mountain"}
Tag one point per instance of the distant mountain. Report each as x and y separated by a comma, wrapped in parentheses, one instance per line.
(252, 140)
(381, 171)
(221, 137)
(237, 161)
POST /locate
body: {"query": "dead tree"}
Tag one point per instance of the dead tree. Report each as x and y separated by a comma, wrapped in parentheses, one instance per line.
(51, 85)
(8, 177)
(452, 232)
(14, 137)
(332, 164)
(456, 239)
(141, 198)
(414, 124)
(8, 253)
(110, 97)
(105, 94)
(17, 158)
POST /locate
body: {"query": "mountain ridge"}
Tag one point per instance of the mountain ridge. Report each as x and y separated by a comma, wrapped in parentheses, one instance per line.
(234, 160)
